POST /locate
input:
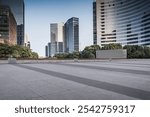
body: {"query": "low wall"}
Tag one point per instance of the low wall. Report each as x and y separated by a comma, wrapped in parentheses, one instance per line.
(12, 60)
(111, 54)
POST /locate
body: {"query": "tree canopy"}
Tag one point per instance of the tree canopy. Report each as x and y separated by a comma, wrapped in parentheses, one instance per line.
(135, 51)
(16, 51)
(89, 52)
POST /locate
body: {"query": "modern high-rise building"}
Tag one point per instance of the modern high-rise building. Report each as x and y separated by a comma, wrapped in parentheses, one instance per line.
(17, 8)
(121, 21)
(64, 38)
(49, 49)
(8, 26)
(46, 51)
(57, 36)
(71, 35)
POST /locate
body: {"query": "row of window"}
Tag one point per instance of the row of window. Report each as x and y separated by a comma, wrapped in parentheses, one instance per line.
(133, 42)
(110, 41)
(132, 35)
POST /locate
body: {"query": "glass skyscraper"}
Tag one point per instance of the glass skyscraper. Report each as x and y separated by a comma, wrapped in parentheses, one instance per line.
(64, 37)
(121, 21)
(71, 39)
(57, 35)
(17, 8)
(8, 25)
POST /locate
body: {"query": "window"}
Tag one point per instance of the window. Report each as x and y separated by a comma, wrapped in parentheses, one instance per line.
(128, 28)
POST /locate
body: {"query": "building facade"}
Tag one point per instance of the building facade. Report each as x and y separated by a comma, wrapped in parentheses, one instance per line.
(8, 26)
(46, 51)
(71, 35)
(121, 21)
(49, 49)
(64, 37)
(57, 36)
(17, 8)
(27, 42)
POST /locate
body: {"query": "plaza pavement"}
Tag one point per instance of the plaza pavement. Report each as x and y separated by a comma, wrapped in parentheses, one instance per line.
(82, 80)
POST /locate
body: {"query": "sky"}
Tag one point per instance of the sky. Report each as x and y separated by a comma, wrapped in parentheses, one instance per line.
(39, 14)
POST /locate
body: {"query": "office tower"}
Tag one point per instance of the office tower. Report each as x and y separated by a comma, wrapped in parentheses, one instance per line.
(49, 49)
(46, 51)
(17, 8)
(121, 21)
(94, 24)
(8, 31)
(71, 38)
(57, 35)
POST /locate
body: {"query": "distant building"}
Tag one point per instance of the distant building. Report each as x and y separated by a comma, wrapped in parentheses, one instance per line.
(49, 49)
(57, 35)
(8, 26)
(46, 51)
(27, 42)
(71, 36)
(64, 38)
(17, 8)
(121, 21)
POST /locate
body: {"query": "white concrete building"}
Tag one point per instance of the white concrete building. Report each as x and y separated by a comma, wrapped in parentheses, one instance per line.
(121, 21)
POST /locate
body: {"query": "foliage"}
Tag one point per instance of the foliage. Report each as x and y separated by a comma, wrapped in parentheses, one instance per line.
(16, 51)
(112, 46)
(5, 51)
(67, 55)
(35, 55)
(135, 51)
(89, 52)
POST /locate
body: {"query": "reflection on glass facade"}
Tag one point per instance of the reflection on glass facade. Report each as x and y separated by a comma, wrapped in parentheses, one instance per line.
(46, 51)
(121, 21)
(71, 42)
(57, 35)
(17, 8)
(8, 32)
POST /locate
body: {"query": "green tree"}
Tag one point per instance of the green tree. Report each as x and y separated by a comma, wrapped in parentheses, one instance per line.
(16, 51)
(112, 46)
(135, 51)
(91, 49)
(87, 54)
(5, 51)
(35, 55)
(147, 52)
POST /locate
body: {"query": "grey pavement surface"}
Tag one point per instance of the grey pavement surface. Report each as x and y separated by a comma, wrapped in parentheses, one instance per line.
(83, 80)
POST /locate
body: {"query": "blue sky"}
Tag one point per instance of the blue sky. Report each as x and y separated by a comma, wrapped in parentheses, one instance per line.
(40, 13)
